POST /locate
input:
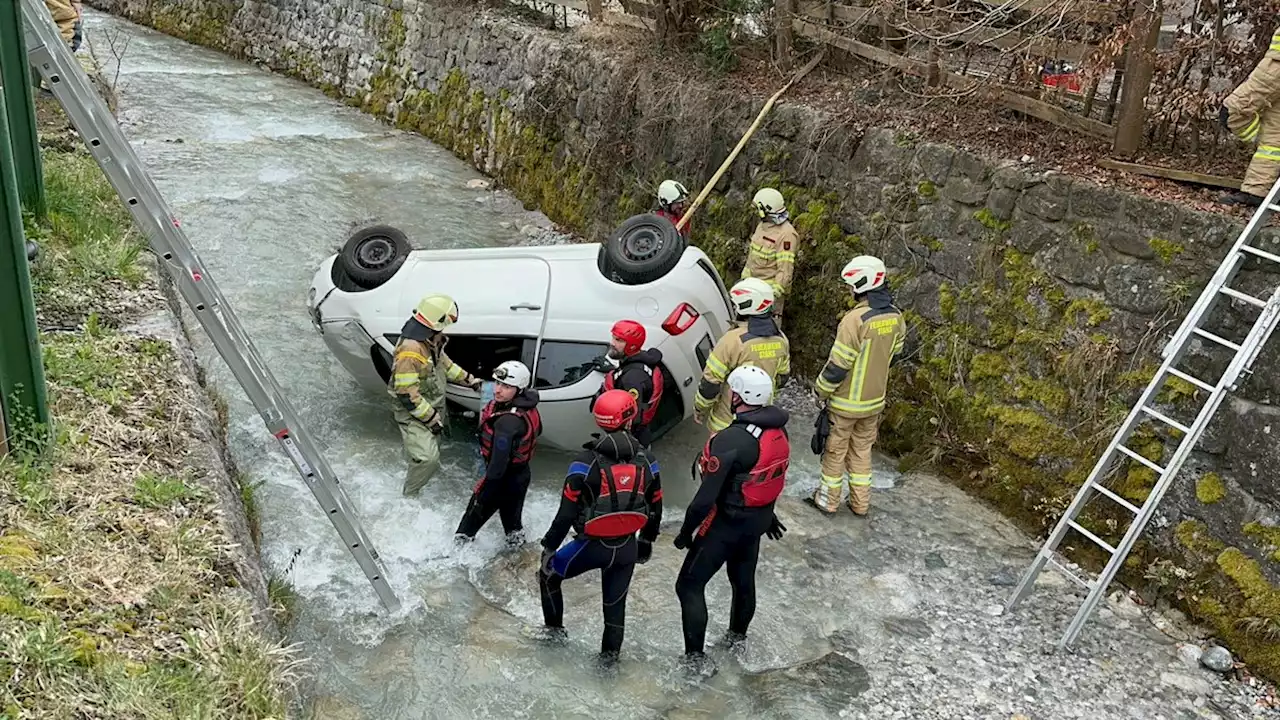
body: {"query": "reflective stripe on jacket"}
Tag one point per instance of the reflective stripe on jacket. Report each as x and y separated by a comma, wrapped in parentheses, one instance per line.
(856, 376)
(771, 255)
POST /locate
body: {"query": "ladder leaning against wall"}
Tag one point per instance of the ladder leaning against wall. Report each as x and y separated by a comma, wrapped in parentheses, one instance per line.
(1193, 330)
(55, 63)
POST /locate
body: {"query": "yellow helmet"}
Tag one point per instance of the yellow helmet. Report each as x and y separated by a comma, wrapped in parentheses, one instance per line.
(436, 312)
(769, 202)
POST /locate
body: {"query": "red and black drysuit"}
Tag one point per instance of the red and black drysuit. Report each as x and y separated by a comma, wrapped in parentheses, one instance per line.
(508, 436)
(641, 375)
(743, 471)
(612, 491)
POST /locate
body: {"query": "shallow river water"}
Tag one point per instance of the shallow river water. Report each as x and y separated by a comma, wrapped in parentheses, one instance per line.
(887, 617)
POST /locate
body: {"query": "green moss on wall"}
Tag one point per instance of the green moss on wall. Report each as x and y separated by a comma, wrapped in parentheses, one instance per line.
(1210, 488)
(1268, 536)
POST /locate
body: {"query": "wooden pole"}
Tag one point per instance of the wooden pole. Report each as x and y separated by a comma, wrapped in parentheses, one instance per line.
(782, 10)
(706, 190)
(1139, 68)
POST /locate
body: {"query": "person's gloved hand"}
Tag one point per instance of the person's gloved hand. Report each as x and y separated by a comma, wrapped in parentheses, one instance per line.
(602, 364)
(644, 551)
(776, 530)
(435, 423)
(699, 417)
(682, 541)
(1222, 118)
(476, 384)
(545, 567)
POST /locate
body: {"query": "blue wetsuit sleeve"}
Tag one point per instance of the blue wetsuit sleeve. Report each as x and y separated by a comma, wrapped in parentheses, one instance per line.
(570, 500)
(654, 497)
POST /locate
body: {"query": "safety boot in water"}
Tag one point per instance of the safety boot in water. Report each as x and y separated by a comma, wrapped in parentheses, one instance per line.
(697, 666)
(515, 539)
(814, 504)
(607, 664)
(733, 642)
(545, 634)
(460, 541)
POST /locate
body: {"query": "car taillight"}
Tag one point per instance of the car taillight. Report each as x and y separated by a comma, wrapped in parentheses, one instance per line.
(680, 319)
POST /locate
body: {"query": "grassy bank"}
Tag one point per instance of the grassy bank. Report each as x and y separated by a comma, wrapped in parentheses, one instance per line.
(117, 594)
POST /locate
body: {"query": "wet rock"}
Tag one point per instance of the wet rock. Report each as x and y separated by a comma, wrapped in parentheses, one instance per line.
(1217, 658)
(1004, 577)
(907, 626)
(934, 561)
(1188, 683)
(478, 183)
(1189, 655)
(830, 551)
(820, 688)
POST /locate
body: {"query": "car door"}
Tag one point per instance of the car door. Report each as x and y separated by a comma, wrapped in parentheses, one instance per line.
(565, 377)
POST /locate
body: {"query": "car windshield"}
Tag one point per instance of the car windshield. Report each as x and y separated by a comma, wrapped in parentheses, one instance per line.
(565, 363)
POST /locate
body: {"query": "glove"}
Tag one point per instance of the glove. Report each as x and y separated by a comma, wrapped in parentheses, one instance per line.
(434, 423)
(644, 551)
(776, 530)
(682, 541)
(476, 384)
(545, 567)
(1222, 118)
(602, 364)
(699, 417)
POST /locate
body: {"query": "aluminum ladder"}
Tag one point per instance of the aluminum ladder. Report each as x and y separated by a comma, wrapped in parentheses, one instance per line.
(1190, 331)
(53, 59)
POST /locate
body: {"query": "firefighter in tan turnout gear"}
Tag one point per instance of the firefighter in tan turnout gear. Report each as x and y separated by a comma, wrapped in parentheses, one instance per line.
(757, 342)
(771, 256)
(420, 369)
(1252, 113)
(854, 381)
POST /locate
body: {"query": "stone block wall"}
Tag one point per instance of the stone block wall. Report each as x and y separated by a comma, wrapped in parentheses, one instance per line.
(1039, 302)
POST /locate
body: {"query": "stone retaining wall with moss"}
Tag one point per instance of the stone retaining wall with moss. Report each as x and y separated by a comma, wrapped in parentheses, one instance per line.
(1039, 302)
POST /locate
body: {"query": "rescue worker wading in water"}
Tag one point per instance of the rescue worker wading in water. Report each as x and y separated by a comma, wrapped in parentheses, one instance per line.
(419, 372)
(771, 254)
(509, 428)
(758, 342)
(672, 199)
(854, 382)
(743, 469)
(612, 491)
(638, 372)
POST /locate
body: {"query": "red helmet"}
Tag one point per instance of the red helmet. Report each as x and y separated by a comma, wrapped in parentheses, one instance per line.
(630, 332)
(614, 409)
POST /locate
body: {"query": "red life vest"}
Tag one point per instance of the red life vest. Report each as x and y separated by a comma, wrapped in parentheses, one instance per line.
(763, 483)
(648, 406)
(621, 507)
(525, 444)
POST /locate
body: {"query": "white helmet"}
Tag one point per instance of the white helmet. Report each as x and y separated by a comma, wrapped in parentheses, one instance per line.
(752, 384)
(513, 373)
(671, 192)
(751, 296)
(864, 273)
(769, 202)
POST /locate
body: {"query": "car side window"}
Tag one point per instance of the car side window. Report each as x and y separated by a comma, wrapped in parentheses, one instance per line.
(565, 363)
(479, 355)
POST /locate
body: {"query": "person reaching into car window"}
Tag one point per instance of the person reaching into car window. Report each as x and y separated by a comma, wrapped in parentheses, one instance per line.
(743, 470)
(639, 372)
(672, 202)
(612, 491)
(419, 371)
(758, 342)
(509, 428)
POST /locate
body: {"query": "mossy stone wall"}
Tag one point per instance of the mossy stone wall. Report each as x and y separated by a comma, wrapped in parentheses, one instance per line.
(1038, 302)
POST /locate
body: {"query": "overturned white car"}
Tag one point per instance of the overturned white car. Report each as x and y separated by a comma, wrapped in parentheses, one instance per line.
(549, 307)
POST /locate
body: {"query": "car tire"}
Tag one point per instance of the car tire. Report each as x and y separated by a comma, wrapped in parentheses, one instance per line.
(644, 248)
(371, 256)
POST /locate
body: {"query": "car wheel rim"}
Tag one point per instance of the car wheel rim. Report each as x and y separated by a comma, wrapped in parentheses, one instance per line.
(374, 253)
(641, 245)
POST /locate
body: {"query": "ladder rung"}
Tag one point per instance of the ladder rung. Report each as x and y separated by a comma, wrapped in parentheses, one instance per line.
(1244, 297)
(1140, 459)
(1220, 340)
(1193, 380)
(1260, 253)
(1165, 419)
(1273, 208)
(1100, 542)
(1070, 575)
(1128, 505)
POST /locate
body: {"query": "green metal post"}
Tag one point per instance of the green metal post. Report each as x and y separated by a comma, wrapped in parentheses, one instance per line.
(15, 76)
(22, 389)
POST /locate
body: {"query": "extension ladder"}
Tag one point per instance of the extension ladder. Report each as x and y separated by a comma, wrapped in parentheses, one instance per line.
(51, 57)
(1190, 331)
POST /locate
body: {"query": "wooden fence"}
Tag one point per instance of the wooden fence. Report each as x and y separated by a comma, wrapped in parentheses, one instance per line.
(940, 46)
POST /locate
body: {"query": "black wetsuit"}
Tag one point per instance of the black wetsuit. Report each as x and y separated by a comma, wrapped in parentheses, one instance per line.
(635, 375)
(615, 557)
(506, 477)
(720, 531)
